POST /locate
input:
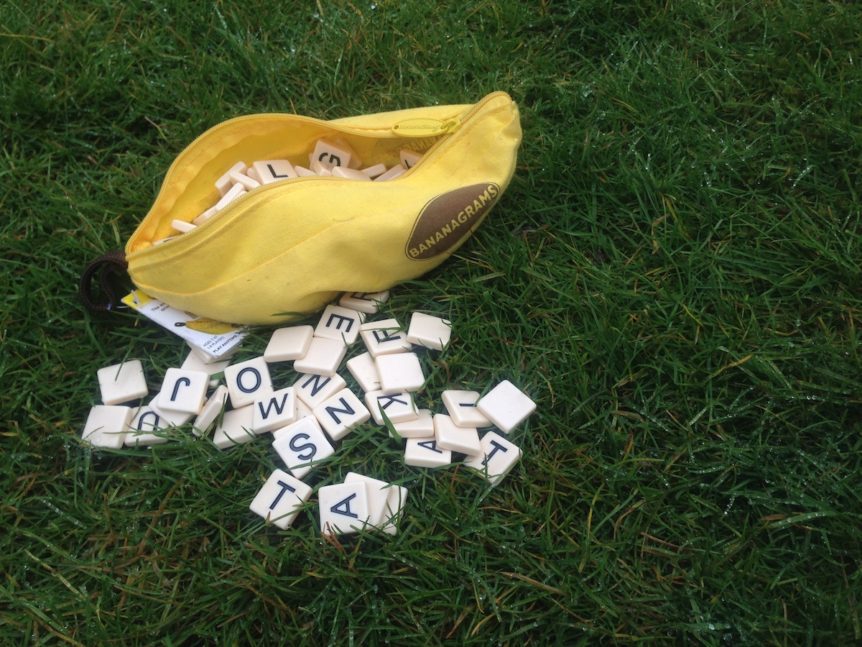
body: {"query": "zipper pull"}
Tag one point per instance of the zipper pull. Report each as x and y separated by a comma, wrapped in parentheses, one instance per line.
(425, 127)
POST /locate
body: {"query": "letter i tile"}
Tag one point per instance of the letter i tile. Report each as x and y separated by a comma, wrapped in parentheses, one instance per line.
(461, 406)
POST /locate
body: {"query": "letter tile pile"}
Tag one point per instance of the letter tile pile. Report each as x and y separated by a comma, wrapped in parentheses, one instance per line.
(307, 419)
(330, 158)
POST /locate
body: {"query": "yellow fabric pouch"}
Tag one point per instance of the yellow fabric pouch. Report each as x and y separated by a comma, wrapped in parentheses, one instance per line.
(288, 248)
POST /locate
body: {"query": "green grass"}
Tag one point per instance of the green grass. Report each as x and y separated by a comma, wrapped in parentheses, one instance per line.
(673, 275)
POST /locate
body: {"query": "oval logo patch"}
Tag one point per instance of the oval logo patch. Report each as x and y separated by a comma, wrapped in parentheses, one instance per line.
(448, 218)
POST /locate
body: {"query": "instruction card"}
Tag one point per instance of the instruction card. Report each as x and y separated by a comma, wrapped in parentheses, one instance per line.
(213, 338)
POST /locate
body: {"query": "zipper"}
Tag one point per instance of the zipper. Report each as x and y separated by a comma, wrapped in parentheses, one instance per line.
(415, 127)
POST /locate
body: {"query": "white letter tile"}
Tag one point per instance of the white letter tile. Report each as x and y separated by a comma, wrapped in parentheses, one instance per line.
(374, 171)
(280, 499)
(391, 174)
(458, 439)
(399, 372)
(319, 169)
(246, 381)
(409, 158)
(506, 406)
(364, 371)
(367, 302)
(430, 332)
(224, 183)
(211, 411)
(339, 323)
(384, 337)
(235, 192)
(397, 406)
(420, 427)
(209, 358)
(122, 382)
(107, 426)
(394, 511)
(288, 343)
(303, 410)
(183, 391)
(149, 420)
(243, 180)
(423, 452)
(378, 494)
(496, 459)
(182, 226)
(144, 427)
(350, 174)
(205, 215)
(341, 413)
(275, 410)
(323, 357)
(343, 508)
(302, 446)
(314, 389)
(235, 428)
(269, 171)
(461, 405)
(330, 154)
(194, 362)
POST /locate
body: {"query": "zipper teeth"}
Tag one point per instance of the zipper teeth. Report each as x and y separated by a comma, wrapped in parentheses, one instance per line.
(368, 132)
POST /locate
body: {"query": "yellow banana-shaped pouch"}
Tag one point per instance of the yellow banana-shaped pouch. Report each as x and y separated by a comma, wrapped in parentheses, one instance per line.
(287, 248)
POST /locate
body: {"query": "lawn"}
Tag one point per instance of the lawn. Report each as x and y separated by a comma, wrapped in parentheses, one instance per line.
(673, 276)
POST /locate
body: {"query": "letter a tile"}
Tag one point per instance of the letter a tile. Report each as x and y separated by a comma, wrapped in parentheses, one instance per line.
(343, 508)
(423, 452)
